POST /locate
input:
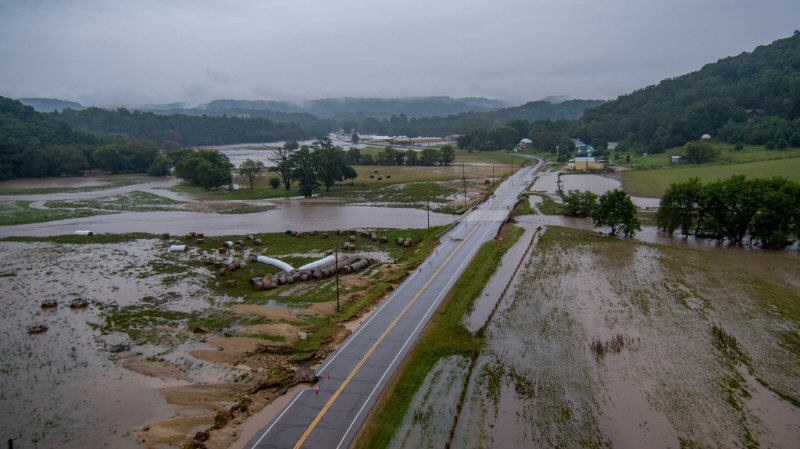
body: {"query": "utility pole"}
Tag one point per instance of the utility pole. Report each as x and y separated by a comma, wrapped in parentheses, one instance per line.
(429, 216)
(464, 175)
(492, 174)
(336, 265)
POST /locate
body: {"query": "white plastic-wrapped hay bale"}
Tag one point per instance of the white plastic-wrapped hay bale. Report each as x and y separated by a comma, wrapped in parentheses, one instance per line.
(83, 232)
(177, 248)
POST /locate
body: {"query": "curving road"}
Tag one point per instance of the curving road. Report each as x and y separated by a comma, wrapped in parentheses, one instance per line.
(352, 378)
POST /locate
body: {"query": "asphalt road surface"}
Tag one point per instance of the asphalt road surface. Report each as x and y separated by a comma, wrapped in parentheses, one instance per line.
(351, 379)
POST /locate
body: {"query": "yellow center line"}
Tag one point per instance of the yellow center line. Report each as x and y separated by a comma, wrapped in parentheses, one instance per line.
(380, 339)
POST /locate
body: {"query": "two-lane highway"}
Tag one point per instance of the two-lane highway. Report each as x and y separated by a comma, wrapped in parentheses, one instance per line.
(328, 415)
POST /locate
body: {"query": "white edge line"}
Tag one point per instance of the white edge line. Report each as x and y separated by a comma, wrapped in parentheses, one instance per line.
(277, 419)
(402, 348)
(321, 370)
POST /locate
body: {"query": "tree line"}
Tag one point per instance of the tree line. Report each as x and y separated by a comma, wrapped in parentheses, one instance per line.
(321, 163)
(390, 156)
(34, 145)
(613, 209)
(766, 211)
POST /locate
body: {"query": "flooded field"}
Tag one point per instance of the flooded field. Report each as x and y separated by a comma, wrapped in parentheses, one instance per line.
(622, 343)
(142, 347)
(64, 388)
(289, 215)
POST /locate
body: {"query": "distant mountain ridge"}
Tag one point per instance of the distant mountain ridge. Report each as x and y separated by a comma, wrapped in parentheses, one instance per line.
(344, 108)
(50, 104)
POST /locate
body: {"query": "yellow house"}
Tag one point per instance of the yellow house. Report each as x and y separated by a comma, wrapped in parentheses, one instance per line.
(588, 163)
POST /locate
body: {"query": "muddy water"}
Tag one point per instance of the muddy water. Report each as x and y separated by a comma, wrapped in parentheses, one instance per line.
(157, 187)
(650, 234)
(485, 304)
(433, 409)
(548, 182)
(290, 215)
(62, 388)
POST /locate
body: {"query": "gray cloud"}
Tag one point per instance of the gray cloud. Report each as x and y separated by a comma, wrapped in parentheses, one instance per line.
(112, 52)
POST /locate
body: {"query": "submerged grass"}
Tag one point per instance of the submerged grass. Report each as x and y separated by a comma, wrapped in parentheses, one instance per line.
(20, 212)
(444, 336)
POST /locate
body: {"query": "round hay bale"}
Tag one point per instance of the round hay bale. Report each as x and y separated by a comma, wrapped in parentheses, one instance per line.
(239, 242)
(252, 258)
(399, 240)
(200, 241)
(346, 269)
(230, 283)
(257, 242)
(407, 243)
(250, 237)
(384, 239)
(325, 235)
(304, 277)
(258, 285)
(222, 271)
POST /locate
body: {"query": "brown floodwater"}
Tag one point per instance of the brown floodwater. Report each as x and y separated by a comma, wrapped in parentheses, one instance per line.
(598, 184)
(290, 215)
(63, 388)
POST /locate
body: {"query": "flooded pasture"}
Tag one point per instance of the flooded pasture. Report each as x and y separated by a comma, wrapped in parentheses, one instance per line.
(288, 216)
(621, 343)
(64, 388)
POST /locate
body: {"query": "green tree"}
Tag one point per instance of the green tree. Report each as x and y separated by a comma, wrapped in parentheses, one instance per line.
(305, 171)
(580, 203)
(429, 156)
(412, 158)
(354, 138)
(291, 145)
(160, 167)
(387, 156)
(616, 210)
(700, 152)
(274, 182)
(447, 154)
(207, 169)
(330, 161)
(251, 170)
(681, 207)
(283, 165)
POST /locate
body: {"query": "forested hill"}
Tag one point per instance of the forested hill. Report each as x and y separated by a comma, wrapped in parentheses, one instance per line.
(751, 98)
(346, 108)
(470, 121)
(50, 104)
(185, 130)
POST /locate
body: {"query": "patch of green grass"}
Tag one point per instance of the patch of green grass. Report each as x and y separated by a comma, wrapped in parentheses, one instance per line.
(548, 206)
(20, 212)
(523, 207)
(445, 335)
(653, 183)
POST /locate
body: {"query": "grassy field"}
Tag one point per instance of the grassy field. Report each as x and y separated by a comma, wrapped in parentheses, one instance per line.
(728, 155)
(653, 183)
(445, 335)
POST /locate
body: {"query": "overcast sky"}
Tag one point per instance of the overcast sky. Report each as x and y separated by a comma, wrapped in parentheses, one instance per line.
(112, 52)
